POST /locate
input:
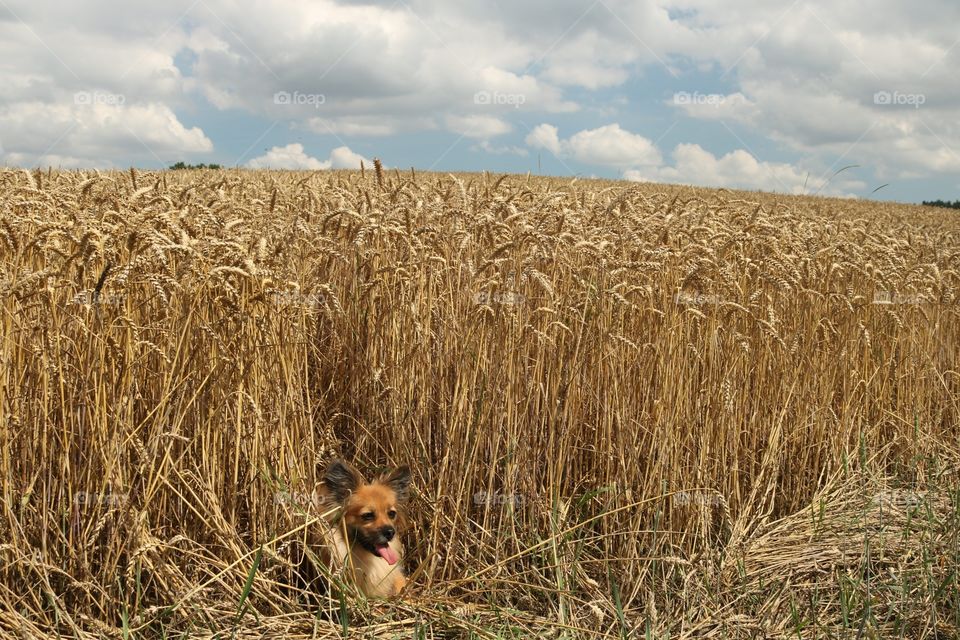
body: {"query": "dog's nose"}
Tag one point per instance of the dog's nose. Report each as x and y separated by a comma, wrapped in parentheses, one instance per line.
(388, 533)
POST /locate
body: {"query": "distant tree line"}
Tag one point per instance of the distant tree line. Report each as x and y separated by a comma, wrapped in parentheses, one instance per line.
(181, 165)
(941, 203)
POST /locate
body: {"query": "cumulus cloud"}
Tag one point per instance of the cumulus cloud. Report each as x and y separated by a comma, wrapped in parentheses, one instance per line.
(478, 126)
(545, 136)
(814, 75)
(613, 147)
(608, 146)
(368, 68)
(640, 160)
(35, 133)
(344, 158)
(714, 106)
(109, 53)
(356, 126)
(499, 150)
(803, 75)
(694, 165)
(292, 156)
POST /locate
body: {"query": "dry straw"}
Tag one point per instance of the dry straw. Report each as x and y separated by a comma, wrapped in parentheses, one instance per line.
(630, 409)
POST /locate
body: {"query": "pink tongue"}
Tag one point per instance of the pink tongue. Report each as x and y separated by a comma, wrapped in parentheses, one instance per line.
(387, 554)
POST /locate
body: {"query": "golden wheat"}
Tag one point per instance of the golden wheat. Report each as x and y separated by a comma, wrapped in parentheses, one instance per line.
(629, 408)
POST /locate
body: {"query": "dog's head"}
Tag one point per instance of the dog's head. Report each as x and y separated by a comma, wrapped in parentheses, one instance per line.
(370, 510)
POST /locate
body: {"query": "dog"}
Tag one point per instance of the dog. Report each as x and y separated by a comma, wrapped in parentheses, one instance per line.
(361, 533)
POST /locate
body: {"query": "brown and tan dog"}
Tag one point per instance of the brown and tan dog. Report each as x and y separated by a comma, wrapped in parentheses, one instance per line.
(362, 543)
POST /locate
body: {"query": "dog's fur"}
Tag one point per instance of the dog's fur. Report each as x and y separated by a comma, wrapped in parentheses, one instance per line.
(362, 543)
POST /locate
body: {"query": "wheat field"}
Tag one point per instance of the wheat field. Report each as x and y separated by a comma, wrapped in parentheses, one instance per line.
(631, 410)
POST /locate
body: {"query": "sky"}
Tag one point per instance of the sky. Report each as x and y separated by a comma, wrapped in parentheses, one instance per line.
(830, 97)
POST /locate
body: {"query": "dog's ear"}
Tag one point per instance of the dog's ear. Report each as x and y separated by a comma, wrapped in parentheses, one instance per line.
(399, 481)
(342, 479)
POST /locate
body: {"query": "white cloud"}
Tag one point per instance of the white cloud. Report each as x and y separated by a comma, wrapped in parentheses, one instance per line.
(380, 68)
(486, 146)
(808, 72)
(608, 146)
(108, 53)
(802, 74)
(510, 91)
(91, 135)
(344, 158)
(578, 62)
(354, 126)
(292, 156)
(694, 165)
(714, 106)
(478, 126)
(544, 136)
(640, 160)
(613, 147)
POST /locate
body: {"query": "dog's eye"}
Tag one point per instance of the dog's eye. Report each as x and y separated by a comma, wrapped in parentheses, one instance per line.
(391, 514)
(367, 517)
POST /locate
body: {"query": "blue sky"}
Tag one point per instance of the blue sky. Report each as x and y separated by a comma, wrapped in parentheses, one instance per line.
(759, 95)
